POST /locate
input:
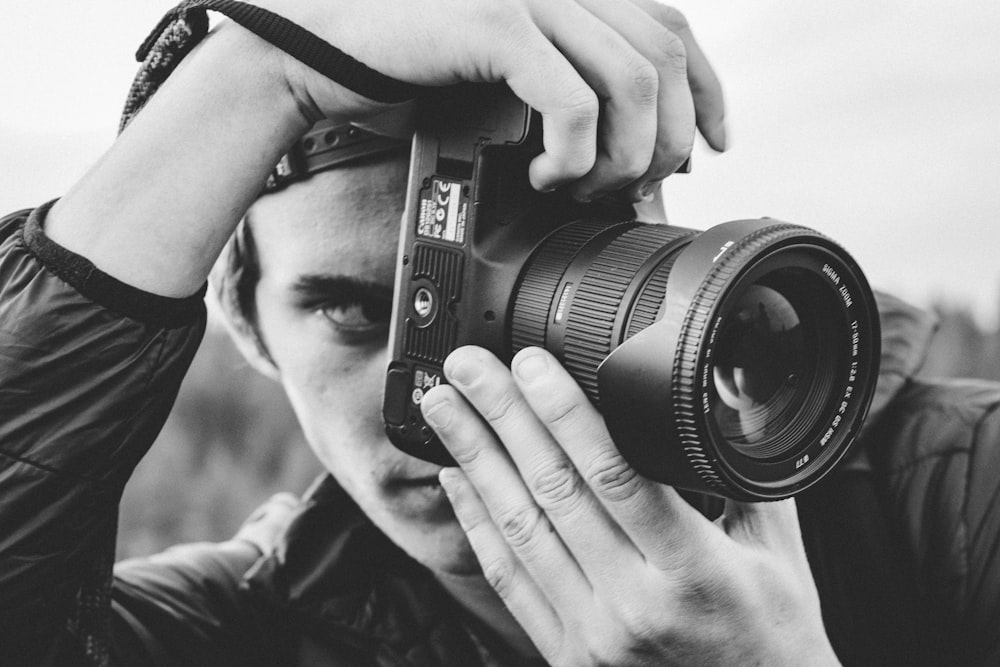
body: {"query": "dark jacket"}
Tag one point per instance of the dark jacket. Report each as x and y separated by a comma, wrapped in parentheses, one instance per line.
(903, 540)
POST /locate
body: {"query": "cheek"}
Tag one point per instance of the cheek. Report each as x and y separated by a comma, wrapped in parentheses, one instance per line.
(337, 396)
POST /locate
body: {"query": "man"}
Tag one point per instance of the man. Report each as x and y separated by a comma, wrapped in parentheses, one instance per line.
(591, 564)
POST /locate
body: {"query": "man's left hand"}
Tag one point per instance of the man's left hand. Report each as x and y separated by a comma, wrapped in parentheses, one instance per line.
(600, 565)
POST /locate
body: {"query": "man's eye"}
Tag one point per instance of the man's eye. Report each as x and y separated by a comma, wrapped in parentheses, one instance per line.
(359, 319)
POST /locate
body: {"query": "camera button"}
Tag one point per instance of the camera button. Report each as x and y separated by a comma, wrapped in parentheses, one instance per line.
(424, 306)
(397, 395)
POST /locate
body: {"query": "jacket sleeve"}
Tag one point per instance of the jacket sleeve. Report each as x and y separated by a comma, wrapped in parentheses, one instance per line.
(942, 465)
(186, 606)
(89, 369)
(982, 537)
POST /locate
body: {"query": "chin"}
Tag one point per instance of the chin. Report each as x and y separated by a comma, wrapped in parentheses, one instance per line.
(435, 540)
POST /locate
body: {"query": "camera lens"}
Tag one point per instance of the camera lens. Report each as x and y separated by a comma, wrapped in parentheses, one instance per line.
(761, 358)
(739, 361)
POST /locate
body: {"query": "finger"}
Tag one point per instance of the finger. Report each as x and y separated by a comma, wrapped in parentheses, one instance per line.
(501, 568)
(627, 85)
(521, 523)
(657, 520)
(710, 108)
(667, 53)
(541, 76)
(547, 478)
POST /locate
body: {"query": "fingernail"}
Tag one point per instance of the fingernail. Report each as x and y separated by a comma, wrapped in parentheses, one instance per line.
(461, 372)
(532, 366)
(439, 414)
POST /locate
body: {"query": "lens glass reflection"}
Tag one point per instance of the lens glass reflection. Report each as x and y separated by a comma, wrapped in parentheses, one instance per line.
(760, 370)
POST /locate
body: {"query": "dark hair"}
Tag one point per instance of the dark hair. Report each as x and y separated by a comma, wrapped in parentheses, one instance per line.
(236, 273)
(234, 281)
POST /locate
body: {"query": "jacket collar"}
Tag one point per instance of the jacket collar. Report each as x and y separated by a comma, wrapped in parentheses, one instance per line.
(906, 338)
(906, 334)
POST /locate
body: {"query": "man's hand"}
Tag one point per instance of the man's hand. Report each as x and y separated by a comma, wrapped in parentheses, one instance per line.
(598, 564)
(619, 83)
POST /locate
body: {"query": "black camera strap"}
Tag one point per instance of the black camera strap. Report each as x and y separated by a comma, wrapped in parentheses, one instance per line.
(187, 24)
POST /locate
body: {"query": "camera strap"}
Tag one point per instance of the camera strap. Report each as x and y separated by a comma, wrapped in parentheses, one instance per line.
(187, 24)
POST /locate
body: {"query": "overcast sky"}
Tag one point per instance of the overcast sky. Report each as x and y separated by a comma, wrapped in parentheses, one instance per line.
(877, 123)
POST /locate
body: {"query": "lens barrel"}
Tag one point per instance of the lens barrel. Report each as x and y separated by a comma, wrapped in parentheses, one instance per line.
(739, 361)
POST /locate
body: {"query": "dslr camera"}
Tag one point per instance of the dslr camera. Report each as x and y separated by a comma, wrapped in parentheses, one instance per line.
(739, 361)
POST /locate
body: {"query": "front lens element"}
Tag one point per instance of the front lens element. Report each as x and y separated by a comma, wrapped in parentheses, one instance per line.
(759, 370)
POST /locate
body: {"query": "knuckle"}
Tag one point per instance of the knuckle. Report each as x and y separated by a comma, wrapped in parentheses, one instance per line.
(605, 649)
(629, 166)
(642, 627)
(644, 80)
(467, 455)
(557, 488)
(582, 106)
(511, 33)
(562, 413)
(706, 591)
(499, 573)
(612, 477)
(501, 406)
(670, 55)
(519, 527)
(580, 111)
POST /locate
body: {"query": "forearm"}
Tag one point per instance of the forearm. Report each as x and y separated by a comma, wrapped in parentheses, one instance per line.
(155, 211)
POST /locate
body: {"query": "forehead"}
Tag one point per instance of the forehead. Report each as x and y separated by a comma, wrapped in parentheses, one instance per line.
(342, 222)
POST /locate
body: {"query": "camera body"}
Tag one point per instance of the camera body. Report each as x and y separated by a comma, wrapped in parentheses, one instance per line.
(471, 220)
(739, 361)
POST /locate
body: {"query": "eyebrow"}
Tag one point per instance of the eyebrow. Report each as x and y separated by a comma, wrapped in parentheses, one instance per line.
(310, 287)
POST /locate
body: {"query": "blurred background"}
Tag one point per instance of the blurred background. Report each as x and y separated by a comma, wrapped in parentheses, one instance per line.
(876, 123)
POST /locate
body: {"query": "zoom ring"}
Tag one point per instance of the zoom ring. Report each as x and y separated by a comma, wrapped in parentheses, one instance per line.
(590, 332)
(541, 277)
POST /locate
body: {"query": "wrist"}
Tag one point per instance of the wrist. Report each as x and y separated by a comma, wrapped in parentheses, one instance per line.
(245, 80)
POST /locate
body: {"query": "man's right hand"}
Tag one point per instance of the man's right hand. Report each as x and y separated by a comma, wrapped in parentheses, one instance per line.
(619, 83)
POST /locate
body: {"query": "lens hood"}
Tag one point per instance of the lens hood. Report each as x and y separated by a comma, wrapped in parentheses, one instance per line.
(656, 389)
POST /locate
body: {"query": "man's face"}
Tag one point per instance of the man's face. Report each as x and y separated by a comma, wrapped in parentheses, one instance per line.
(327, 251)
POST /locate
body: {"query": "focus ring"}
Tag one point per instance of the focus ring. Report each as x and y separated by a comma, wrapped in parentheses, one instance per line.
(542, 275)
